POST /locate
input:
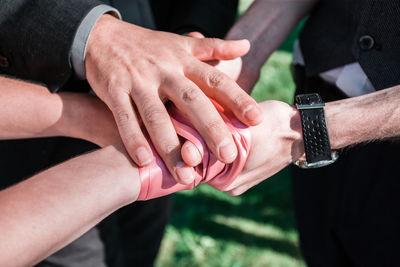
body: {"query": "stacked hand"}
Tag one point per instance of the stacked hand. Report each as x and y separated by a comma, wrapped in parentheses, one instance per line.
(135, 71)
(263, 150)
(145, 69)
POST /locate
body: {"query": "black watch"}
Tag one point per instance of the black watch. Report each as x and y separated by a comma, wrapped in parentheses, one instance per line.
(315, 133)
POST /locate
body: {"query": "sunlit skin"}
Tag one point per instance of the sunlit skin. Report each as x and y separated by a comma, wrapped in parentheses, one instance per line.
(144, 68)
(84, 190)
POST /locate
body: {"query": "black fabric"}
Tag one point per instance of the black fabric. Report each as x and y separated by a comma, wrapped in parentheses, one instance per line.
(210, 17)
(347, 213)
(36, 38)
(366, 31)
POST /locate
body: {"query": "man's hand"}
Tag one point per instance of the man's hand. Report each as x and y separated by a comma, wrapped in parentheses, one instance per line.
(276, 143)
(131, 67)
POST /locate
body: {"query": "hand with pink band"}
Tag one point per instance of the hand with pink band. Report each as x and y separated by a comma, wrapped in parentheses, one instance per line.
(263, 150)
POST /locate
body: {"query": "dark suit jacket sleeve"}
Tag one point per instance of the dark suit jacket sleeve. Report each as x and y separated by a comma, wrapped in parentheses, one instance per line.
(36, 38)
(211, 17)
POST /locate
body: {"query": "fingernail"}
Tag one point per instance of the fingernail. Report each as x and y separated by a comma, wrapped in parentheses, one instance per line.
(226, 150)
(143, 156)
(251, 113)
(184, 173)
(194, 153)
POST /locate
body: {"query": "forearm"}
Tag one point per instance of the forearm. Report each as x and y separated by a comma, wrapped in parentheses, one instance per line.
(266, 24)
(51, 209)
(365, 118)
(29, 110)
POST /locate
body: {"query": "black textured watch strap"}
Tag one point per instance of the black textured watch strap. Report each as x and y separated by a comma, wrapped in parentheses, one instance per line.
(315, 132)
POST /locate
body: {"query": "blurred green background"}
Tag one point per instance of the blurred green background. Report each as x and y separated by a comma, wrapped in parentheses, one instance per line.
(211, 228)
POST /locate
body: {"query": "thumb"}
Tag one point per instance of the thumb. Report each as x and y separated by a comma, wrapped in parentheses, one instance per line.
(190, 154)
(218, 49)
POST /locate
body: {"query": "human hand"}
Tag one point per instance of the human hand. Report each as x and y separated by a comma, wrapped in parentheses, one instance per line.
(245, 73)
(275, 143)
(129, 66)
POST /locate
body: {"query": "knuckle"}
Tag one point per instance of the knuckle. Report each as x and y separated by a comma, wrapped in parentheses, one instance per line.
(240, 101)
(153, 116)
(215, 79)
(213, 126)
(133, 140)
(123, 117)
(190, 95)
(214, 42)
(169, 151)
(115, 88)
(112, 83)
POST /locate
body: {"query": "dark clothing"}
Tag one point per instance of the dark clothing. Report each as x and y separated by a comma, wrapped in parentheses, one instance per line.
(183, 16)
(35, 42)
(347, 212)
(36, 38)
(345, 31)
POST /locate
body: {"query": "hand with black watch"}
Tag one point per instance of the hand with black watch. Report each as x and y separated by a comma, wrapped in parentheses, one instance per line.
(288, 134)
(315, 133)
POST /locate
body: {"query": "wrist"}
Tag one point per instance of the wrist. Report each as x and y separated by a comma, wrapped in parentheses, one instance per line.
(296, 136)
(123, 169)
(86, 117)
(70, 124)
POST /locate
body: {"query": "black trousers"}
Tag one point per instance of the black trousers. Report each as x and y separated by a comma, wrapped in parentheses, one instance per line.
(347, 213)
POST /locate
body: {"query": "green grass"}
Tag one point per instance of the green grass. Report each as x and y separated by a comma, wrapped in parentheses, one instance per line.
(211, 228)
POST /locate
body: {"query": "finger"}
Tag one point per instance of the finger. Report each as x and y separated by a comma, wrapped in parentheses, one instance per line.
(196, 35)
(190, 154)
(203, 115)
(162, 133)
(225, 91)
(212, 48)
(129, 129)
(199, 35)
